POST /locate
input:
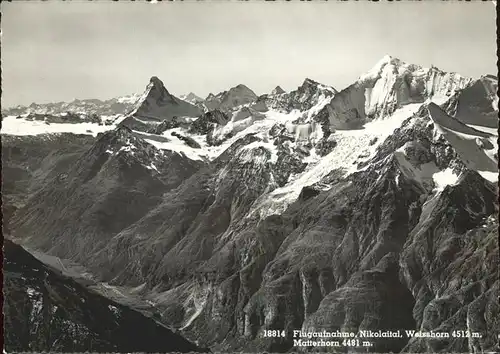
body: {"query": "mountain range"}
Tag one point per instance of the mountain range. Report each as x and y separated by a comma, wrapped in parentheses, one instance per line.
(372, 207)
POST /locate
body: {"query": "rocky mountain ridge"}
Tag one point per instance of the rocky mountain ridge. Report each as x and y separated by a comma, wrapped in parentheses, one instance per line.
(315, 209)
(227, 100)
(58, 314)
(110, 107)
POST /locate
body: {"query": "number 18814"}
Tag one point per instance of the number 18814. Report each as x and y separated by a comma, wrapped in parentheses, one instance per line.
(274, 333)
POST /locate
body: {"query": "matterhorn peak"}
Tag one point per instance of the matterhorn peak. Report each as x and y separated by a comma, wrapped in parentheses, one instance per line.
(156, 82)
(157, 104)
(155, 91)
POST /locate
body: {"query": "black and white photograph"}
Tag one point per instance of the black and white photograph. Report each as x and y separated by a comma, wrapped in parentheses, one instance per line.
(250, 176)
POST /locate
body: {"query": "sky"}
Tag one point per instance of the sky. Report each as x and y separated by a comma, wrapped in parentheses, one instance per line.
(59, 51)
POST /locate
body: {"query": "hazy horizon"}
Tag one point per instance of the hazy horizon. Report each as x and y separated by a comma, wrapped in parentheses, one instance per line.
(59, 51)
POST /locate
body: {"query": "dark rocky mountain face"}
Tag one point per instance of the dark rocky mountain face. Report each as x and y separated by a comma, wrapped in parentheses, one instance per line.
(299, 222)
(30, 163)
(309, 94)
(476, 104)
(228, 100)
(458, 272)
(120, 172)
(277, 91)
(45, 311)
(206, 123)
(157, 105)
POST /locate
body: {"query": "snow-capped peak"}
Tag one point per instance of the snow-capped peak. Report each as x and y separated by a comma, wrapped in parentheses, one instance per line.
(191, 98)
(389, 85)
(376, 71)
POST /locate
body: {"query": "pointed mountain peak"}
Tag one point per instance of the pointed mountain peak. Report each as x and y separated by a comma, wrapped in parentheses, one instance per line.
(191, 97)
(125, 142)
(157, 104)
(120, 134)
(387, 60)
(156, 82)
(241, 89)
(310, 84)
(156, 87)
(309, 81)
(121, 130)
(227, 100)
(154, 92)
(277, 91)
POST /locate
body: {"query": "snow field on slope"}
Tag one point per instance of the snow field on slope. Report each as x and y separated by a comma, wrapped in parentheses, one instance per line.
(492, 131)
(474, 156)
(322, 102)
(248, 157)
(206, 152)
(352, 146)
(177, 145)
(259, 127)
(427, 175)
(129, 98)
(444, 178)
(19, 126)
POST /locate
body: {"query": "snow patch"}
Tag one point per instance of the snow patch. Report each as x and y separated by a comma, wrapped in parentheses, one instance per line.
(20, 126)
(129, 98)
(353, 146)
(492, 131)
(195, 303)
(322, 102)
(152, 167)
(490, 176)
(180, 148)
(444, 178)
(423, 174)
(128, 147)
(259, 127)
(114, 309)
